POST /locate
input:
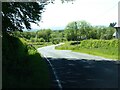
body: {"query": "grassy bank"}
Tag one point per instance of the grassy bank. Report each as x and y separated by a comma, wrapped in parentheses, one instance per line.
(23, 66)
(104, 48)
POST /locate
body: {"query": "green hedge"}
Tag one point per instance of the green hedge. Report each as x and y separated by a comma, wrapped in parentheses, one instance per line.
(106, 44)
(105, 48)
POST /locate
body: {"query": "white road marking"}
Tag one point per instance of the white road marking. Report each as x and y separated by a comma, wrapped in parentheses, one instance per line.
(57, 79)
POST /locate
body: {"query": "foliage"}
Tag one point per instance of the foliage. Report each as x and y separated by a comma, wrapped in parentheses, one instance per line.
(41, 40)
(80, 30)
(105, 48)
(45, 34)
(23, 67)
(32, 39)
(106, 44)
(112, 24)
(17, 14)
(74, 31)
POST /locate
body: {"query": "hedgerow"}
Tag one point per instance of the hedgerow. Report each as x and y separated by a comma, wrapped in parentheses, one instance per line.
(105, 48)
(106, 44)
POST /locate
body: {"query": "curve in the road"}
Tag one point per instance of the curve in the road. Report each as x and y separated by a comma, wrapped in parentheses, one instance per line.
(78, 70)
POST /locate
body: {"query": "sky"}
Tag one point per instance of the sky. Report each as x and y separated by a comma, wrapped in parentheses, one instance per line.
(96, 12)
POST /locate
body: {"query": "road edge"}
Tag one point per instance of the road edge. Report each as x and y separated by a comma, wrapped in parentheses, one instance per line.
(54, 72)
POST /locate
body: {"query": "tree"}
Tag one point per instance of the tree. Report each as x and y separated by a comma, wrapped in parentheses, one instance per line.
(84, 28)
(112, 24)
(18, 15)
(102, 32)
(45, 34)
(77, 29)
(92, 33)
(71, 31)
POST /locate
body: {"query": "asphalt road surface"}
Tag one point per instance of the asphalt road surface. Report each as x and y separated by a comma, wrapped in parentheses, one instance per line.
(77, 70)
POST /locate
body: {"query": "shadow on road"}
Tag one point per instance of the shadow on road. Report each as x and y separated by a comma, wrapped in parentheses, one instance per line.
(85, 73)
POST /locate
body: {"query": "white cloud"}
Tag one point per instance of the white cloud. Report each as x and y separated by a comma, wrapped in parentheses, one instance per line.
(97, 12)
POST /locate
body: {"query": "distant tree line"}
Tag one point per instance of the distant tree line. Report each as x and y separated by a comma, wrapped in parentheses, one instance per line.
(17, 15)
(79, 30)
(74, 31)
(43, 35)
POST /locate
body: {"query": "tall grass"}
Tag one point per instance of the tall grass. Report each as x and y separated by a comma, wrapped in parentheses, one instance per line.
(23, 67)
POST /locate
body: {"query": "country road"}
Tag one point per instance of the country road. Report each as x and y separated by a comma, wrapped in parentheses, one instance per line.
(78, 70)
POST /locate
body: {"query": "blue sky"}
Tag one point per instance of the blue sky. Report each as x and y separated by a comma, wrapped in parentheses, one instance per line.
(96, 12)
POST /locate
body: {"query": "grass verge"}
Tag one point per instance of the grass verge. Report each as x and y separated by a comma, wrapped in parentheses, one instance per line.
(108, 52)
(23, 66)
(97, 52)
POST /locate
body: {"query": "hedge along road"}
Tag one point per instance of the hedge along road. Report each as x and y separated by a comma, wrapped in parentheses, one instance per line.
(77, 70)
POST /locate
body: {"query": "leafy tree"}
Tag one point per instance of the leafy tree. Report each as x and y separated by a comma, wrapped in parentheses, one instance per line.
(18, 15)
(77, 29)
(45, 34)
(41, 40)
(84, 28)
(112, 24)
(103, 32)
(71, 31)
(109, 33)
(92, 33)
(48, 32)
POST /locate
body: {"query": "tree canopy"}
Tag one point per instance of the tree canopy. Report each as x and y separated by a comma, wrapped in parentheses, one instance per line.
(78, 30)
(18, 15)
(112, 24)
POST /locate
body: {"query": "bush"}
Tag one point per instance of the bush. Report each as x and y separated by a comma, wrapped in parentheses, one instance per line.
(55, 41)
(41, 40)
(32, 39)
